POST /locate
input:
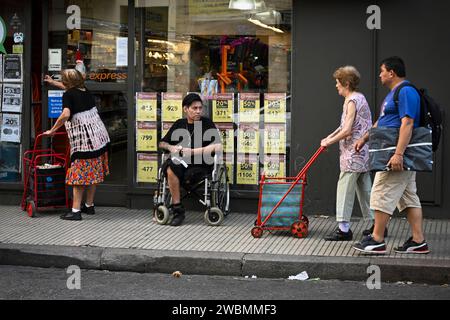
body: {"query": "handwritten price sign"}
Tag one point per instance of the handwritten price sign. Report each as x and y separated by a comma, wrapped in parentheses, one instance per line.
(275, 108)
(147, 168)
(146, 106)
(172, 109)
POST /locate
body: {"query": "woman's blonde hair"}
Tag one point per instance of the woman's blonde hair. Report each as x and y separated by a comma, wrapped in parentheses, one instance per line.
(348, 76)
(72, 78)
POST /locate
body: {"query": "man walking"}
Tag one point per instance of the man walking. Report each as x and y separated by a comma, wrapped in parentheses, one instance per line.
(395, 188)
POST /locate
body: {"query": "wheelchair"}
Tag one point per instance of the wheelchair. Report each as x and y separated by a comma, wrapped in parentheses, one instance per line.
(211, 190)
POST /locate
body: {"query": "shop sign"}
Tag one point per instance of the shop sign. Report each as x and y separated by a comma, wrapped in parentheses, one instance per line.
(107, 76)
(55, 103)
(3, 32)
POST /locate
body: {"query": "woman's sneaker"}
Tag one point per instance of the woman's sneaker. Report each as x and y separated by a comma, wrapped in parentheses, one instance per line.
(87, 210)
(369, 245)
(339, 235)
(411, 246)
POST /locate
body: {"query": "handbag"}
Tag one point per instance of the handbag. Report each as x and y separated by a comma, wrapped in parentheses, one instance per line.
(418, 154)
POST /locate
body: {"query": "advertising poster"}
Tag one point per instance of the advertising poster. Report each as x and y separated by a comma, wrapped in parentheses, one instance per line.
(247, 169)
(248, 107)
(248, 138)
(147, 168)
(54, 59)
(275, 108)
(11, 128)
(171, 106)
(227, 134)
(146, 106)
(12, 68)
(275, 166)
(165, 128)
(275, 138)
(55, 103)
(12, 97)
(229, 162)
(223, 107)
(10, 161)
(146, 136)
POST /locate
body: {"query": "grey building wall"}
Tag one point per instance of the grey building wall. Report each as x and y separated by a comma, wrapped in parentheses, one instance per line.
(328, 35)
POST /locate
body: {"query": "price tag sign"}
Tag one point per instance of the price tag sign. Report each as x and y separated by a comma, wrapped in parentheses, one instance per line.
(248, 138)
(171, 108)
(146, 104)
(275, 138)
(275, 108)
(146, 136)
(275, 166)
(247, 169)
(147, 168)
(223, 107)
(227, 134)
(249, 107)
(165, 128)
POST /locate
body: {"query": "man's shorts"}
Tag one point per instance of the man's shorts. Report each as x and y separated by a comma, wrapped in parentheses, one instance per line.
(187, 176)
(394, 189)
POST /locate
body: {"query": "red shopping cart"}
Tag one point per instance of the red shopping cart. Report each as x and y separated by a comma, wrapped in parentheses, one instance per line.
(280, 204)
(44, 177)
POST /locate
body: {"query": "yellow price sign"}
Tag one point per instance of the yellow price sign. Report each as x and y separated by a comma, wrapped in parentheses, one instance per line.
(223, 108)
(146, 136)
(248, 138)
(146, 106)
(249, 107)
(230, 172)
(227, 135)
(274, 167)
(247, 172)
(275, 139)
(275, 108)
(172, 109)
(147, 168)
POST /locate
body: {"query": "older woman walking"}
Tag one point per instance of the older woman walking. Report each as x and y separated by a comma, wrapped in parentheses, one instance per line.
(89, 143)
(356, 120)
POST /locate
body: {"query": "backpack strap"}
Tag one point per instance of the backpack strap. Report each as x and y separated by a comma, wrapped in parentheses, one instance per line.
(397, 91)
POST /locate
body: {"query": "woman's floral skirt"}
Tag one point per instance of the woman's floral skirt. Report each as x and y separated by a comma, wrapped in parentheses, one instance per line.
(88, 171)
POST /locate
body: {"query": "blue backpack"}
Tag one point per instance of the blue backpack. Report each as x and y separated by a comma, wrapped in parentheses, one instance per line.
(430, 112)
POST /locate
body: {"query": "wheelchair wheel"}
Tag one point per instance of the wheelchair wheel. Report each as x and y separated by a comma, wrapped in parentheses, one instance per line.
(220, 194)
(162, 215)
(214, 216)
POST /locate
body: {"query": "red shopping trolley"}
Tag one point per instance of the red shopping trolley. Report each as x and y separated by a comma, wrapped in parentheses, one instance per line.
(280, 204)
(44, 176)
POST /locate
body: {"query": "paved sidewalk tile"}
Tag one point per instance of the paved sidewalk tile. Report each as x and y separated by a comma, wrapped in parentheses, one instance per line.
(127, 228)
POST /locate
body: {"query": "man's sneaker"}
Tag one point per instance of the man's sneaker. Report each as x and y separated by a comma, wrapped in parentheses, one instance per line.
(71, 216)
(178, 214)
(339, 235)
(87, 210)
(369, 245)
(370, 231)
(411, 246)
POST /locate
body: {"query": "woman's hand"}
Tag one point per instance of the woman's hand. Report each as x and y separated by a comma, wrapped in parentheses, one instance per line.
(325, 142)
(49, 132)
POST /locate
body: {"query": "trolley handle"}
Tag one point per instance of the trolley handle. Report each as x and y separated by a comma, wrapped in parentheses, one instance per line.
(42, 135)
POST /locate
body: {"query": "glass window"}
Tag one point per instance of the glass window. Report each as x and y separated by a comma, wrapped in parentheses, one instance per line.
(238, 48)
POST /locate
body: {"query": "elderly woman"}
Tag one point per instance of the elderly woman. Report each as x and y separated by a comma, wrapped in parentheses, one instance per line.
(356, 120)
(89, 143)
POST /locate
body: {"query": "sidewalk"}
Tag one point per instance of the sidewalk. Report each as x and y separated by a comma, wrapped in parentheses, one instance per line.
(124, 239)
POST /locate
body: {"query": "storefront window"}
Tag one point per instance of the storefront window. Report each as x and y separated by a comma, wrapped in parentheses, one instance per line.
(96, 32)
(238, 60)
(12, 110)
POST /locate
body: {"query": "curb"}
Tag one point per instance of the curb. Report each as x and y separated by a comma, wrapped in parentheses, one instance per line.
(225, 264)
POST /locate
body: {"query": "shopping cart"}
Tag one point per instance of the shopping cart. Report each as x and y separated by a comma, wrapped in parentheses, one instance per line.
(44, 177)
(280, 204)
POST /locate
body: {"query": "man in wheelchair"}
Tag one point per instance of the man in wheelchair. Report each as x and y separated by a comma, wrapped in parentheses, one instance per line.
(192, 143)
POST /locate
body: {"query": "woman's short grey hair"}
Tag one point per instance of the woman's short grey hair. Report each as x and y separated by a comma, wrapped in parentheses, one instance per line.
(348, 76)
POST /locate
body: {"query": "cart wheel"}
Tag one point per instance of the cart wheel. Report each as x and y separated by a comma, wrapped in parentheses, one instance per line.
(257, 232)
(299, 229)
(305, 220)
(31, 209)
(214, 216)
(162, 215)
